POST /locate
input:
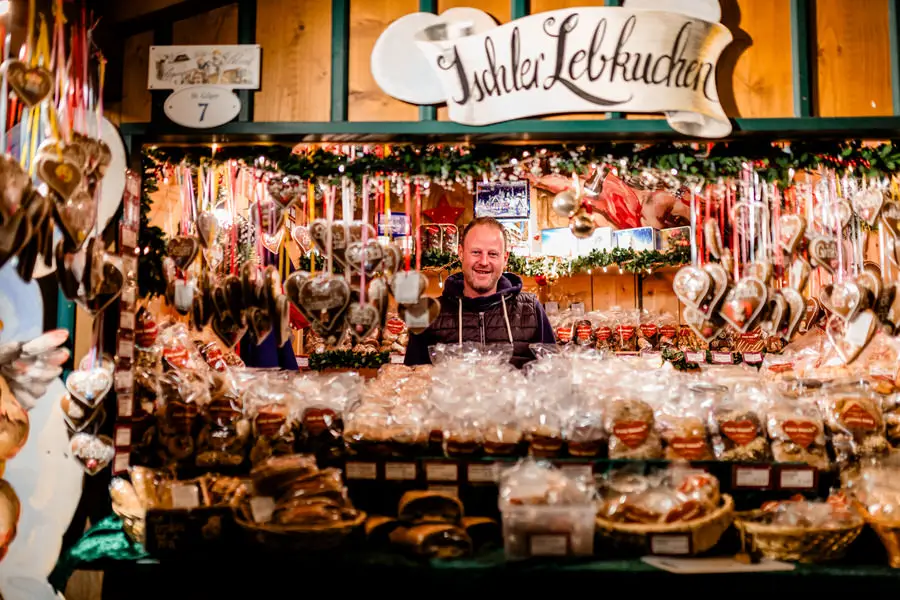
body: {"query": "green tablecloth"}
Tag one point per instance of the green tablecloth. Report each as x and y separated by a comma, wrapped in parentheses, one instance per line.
(135, 574)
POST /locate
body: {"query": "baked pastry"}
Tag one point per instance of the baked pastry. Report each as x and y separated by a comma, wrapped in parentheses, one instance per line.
(429, 507)
(433, 540)
(273, 475)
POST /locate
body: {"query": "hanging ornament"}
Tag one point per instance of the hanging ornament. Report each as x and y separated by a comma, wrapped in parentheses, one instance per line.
(582, 225)
(565, 204)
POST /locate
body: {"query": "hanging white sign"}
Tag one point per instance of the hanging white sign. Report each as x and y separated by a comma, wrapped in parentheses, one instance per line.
(202, 106)
(563, 61)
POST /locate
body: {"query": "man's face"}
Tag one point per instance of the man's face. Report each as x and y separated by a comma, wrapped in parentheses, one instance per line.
(483, 256)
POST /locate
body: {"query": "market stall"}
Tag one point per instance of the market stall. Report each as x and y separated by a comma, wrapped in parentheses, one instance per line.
(720, 396)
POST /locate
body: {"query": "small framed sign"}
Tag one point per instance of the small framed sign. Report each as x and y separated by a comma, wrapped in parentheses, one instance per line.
(234, 67)
(507, 200)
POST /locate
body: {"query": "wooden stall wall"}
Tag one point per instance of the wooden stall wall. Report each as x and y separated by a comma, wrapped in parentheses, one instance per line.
(852, 78)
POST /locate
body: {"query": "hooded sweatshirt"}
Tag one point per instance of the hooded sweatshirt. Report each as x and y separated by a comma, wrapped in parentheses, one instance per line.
(507, 316)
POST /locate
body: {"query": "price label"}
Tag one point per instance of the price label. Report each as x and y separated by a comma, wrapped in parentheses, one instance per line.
(128, 296)
(670, 544)
(129, 238)
(548, 545)
(185, 496)
(126, 320)
(577, 471)
(577, 308)
(400, 471)
(121, 462)
(722, 358)
(650, 354)
(552, 307)
(261, 508)
(361, 470)
(478, 473)
(303, 362)
(126, 349)
(752, 477)
(445, 489)
(124, 380)
(753, 358)
(442, 471)
(397, 359)
(695, 357)
(123, 436)
(799, 478)
(125, 404)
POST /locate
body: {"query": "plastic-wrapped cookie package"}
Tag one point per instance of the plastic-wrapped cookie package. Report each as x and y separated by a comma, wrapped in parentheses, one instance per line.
(795, 424)
(682, 421)
(630, 421)
(855, 418)
(737, 423)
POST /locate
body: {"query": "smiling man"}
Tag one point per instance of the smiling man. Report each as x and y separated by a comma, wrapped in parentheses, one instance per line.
(483, 304)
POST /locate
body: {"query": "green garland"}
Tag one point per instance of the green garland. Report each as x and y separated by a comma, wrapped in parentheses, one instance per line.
(151, 239)
(347, 359)
(469, 163)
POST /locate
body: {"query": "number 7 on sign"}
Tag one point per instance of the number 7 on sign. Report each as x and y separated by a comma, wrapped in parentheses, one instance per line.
(203, 106)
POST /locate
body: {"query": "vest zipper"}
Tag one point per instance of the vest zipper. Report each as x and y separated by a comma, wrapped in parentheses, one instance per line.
(481, 323)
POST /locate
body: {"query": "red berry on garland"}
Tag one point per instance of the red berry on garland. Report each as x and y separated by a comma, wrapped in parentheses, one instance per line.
(540, 279)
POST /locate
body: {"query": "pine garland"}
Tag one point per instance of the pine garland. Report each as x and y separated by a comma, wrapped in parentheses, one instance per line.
(151, 239)
(347, 359)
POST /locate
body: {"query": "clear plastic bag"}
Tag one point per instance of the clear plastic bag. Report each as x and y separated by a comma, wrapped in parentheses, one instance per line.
(855, 419)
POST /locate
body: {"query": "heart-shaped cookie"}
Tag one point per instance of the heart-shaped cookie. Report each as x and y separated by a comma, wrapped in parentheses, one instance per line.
(31, 84)
(720, 282)
(798, 273)
(224, 326)
(708, 328)
(272, 241)
(792, 228)
(355, 231)
(778, 312)
(408, 286)
(843, 298)
(890, 217)
(692, 285)
(60, 175)
(78, 419)
(93, 452)
(393, 257)
(292, 286)
(867, 204)
(259, 323)
(420, 315)
(849, 338)
(89, 387)
(362, 319)
(318, 232)
(713, 237)
(109, 290)
(811, 315)
(324, 298)
(285, 190)
(182, 250)
(378, 297)
(748, 217)
(282, 325)
(796, 310)
(369, 257)
(207, 228)
(76, 216)
(887, 308)
(829, 217)
(743, 303)
(760, 269)
(824, 253)
(300, 235)
(870, 279)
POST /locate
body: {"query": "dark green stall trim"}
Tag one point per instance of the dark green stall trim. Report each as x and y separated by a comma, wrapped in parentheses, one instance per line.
(428, 113)
(522, 130)
(246, 35)
(894, 31)
(519, 9)
(802, 55)
(614, 3)
(65, 319)
(340, 59)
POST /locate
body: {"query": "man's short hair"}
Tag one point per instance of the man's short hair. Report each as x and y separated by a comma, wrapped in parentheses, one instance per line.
(490, 221)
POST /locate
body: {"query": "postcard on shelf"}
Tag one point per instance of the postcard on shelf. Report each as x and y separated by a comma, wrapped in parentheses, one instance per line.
(517, 237)
(507, 200)
(399, 225)
(674, 237)
(231, 67)
(638, 239)
(558, 241)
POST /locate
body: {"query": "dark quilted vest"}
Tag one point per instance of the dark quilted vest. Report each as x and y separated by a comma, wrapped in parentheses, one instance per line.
(488, 326)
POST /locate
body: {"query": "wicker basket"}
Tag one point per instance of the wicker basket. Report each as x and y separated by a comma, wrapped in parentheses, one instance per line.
(704, 532)
(802, 544)
(293, 538)
(889, 532)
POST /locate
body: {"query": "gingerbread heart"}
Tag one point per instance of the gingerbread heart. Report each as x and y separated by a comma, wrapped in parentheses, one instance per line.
(300, 235)
(796, 309)
(89, 387)
(285, 190)
(76, 217)
(887, 308)
(259, 323)
(93, 452)
(408, 286)
(824, 253)
(393, 257)
(272, 241)
(282, 326)
(207, 228)
(843, 298)
(743, 303)
(802, 433)
(849, 338)
(112, 281)
(60, 175)
(368, 258)
(224, 326)
(792, 228)
(692, 285)
(378, 296)
(798, 273)
(31, 85)
(831, 216)
(705, 327)
(77, 419)
(890, 217)
(324, 298)
(355, 231)
(870, 279)
(759, 269)
(318, 232)
(720, 280)
(362, 319)
(867, 204)
(778, 313)
(748, 217)
(811, 315)
(713, 237)
(182, 250)
(420, 315)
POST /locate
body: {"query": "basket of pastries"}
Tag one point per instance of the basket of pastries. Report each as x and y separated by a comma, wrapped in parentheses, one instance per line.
(876, 488)
(640, 512)
(801, 530)
(298, 507)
